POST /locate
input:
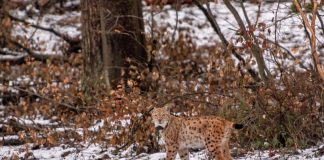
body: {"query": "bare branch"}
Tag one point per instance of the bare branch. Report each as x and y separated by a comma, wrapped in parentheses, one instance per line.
(38, 56)
(75, 43)
(256, 50)
(287, 51)
(11, 56)
(321, 21)
(311, 28)
(71, 41)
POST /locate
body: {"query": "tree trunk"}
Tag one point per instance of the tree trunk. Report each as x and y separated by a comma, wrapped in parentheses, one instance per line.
(5, 25)
(112, 32)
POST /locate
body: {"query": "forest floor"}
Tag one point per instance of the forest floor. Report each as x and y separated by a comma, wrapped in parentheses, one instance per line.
(191, 22)
(93, 151)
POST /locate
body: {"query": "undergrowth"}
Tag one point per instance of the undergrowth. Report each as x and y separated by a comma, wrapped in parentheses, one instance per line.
(200, 81)
(205, 80)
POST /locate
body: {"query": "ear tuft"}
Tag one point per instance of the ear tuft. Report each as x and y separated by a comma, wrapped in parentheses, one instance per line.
(151, 109)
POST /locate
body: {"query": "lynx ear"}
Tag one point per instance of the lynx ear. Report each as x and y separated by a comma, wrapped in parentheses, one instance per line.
(150, 109)
(168, 106)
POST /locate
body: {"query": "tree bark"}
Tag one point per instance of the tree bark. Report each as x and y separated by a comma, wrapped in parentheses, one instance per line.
(311, 28)
(5, 24)
(112, 33)
(1, 22)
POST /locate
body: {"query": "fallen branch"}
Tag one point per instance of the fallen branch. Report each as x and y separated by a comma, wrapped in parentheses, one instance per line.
(13, 122)
(75, 43)
(11, 56)
(71, 41)
(12, 142)
(19, 57)
(38, 56)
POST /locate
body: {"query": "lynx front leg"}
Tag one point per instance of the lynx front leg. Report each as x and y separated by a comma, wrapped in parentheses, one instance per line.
(215, 153)
(226, 151)
(184, 154)
(171, 152)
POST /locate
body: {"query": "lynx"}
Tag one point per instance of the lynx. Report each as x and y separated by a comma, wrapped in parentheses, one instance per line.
(181, 134)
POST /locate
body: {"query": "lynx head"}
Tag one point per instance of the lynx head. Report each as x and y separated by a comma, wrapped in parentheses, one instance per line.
(161, 116)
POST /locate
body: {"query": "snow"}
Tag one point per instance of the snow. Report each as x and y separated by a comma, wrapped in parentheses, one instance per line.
(290, 33)
(191, 21)
(87, 150)
(45, 42)
(95, 151)
(32, 121)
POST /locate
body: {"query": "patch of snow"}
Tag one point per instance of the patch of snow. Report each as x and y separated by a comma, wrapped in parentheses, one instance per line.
(289, 33)
(96, 151)
(45, 42)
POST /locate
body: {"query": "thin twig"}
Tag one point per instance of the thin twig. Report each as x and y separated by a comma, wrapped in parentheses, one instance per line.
(176, 25)
(51, 100)
(287, 51)
(276, 22)
(321, 21)
(258, 14)
(245, 14)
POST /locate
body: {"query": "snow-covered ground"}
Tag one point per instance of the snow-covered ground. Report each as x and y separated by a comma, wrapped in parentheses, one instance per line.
(290, 34)
(95, 151)
(310, 153)
(192, 22)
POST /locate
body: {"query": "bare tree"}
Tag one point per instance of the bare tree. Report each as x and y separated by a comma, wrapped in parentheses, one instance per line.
(215, 26)
(5, 24)
(250, 39)
(311, 28)
(112, 33)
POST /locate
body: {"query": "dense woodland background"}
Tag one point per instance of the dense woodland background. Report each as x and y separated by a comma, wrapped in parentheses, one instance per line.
(80, 73)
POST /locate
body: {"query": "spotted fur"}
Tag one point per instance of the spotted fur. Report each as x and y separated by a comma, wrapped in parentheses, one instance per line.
(181, 134)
